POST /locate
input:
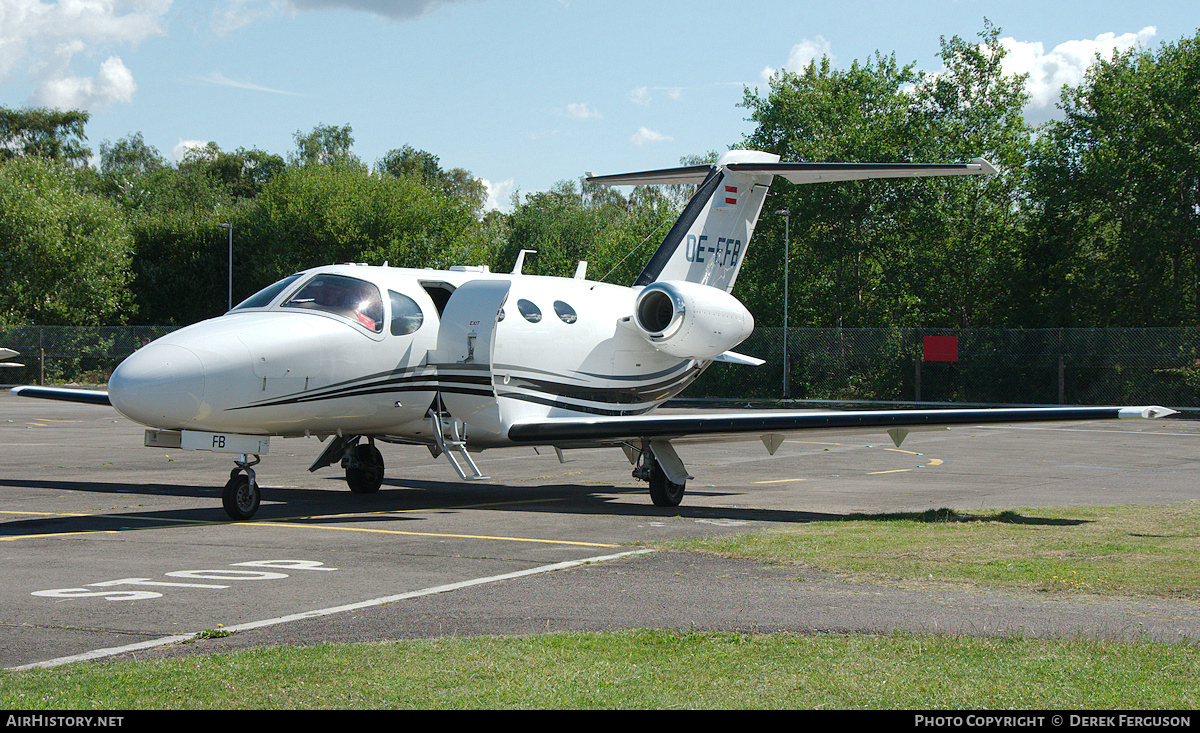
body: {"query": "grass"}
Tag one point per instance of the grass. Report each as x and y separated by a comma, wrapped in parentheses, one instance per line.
(640, 669)
(1127, 551)
(1146, 551)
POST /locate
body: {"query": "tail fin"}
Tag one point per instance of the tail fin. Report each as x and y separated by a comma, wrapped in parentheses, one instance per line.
(708, 242)
(711, 236)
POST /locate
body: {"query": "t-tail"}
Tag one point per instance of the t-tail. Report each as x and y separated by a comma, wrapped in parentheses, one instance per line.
(709, 241)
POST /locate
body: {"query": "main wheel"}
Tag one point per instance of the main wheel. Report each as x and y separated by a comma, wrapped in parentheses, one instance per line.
(367, 476)
(664, 492)
(240, 498)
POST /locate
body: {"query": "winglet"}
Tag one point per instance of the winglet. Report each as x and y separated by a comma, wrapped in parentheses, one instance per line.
(986, 168)
(1149, 412)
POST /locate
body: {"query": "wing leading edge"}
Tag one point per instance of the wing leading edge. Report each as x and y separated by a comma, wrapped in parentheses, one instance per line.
(65, 394)
(708, 427)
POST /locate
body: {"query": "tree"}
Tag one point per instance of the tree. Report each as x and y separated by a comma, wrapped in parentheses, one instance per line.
(966, 245)
(613, 233)
(64, 253)
(43, 133)
(458, 182)
(309, 215)
(933, 252)
(842, 234)
(1120, 182)
(326, 145)
(242, 173)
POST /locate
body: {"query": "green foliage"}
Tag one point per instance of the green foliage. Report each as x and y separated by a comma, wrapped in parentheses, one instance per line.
(325, 145)
(615, 235)
(842, 235)
(64, 253)
(1118, 186)
(309, 215)
(932, 252)
(43, 133)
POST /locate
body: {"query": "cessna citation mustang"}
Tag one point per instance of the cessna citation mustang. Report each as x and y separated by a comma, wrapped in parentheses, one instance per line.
(468, 360)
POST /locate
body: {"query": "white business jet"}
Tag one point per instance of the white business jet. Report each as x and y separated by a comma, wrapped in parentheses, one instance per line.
(466, 360)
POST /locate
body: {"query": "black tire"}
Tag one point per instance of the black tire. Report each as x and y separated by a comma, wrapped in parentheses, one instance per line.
(239, 498)
(664, 492)
(367, 477)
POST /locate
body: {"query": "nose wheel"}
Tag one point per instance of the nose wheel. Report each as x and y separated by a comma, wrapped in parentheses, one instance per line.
(241, 496)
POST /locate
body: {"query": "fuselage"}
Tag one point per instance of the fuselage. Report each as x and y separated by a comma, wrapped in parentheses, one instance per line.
(353, 349)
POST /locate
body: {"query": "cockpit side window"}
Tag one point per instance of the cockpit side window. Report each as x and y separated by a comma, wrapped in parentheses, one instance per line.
(348, 297)
(263, 298)
(406, 314)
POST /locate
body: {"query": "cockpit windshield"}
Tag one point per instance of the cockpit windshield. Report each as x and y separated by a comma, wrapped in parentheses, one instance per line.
(348, 297)
(263, 298)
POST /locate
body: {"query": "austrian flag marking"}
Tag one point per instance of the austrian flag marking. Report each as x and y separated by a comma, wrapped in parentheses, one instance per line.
(731, 195)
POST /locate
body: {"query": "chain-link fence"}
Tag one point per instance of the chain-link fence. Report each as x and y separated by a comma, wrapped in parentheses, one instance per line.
(1077, 366)
(993, 366)
(85, 354)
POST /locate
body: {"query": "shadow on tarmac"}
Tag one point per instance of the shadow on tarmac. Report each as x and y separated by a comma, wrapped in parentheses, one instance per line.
(403, 499)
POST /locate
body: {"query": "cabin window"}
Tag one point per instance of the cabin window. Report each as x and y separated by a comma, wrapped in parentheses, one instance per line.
(531, 312)
(406, 314)
(357, 300)
(263, 298)
(565, 312)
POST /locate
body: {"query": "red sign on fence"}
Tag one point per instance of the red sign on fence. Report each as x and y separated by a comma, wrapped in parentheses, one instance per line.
(941, 348)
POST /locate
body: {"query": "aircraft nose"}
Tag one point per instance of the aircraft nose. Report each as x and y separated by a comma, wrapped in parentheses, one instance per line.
(161, 385)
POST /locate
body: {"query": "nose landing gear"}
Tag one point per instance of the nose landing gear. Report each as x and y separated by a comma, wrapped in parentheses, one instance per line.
(241, 496)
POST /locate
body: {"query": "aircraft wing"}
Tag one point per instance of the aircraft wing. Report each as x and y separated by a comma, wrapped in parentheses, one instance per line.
(714, 426)
(65, 394)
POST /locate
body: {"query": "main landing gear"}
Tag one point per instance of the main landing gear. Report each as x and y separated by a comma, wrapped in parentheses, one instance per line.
(658, 464)
(241, 496)
(364, 467)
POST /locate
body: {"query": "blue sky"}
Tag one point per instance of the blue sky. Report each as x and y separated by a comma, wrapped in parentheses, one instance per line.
(521, 93)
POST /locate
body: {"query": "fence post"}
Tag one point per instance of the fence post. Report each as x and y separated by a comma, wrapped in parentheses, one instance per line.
(917, 360)
(1061, 370)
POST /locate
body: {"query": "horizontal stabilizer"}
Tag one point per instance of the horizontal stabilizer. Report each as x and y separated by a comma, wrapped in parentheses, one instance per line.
(802, 172)
(732, 357)
(832, 172)
(686, 174)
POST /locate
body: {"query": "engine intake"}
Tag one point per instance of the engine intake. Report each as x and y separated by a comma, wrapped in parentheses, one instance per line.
(691, 320)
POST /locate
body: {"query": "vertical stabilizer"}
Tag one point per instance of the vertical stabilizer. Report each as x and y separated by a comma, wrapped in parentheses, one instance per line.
(709, 240)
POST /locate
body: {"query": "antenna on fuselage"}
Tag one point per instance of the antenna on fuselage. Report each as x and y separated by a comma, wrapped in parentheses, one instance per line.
(521, 260)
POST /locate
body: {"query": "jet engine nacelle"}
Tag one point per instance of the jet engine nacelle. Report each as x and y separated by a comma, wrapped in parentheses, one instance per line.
(691, 320)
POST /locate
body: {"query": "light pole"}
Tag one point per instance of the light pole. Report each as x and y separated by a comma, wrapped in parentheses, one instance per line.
(230, 228)
(787, 358)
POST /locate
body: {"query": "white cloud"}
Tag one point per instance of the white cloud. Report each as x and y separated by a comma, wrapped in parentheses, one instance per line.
(39, 42)
(498, 195)
(802, 54)
(1065, 64)
(642, 96)
(184, 146)
(645, 135)
(580, 111)
(220, 79)
(113, 83)
(392, 9)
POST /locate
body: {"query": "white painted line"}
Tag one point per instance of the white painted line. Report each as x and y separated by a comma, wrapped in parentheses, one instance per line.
(111, 651)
